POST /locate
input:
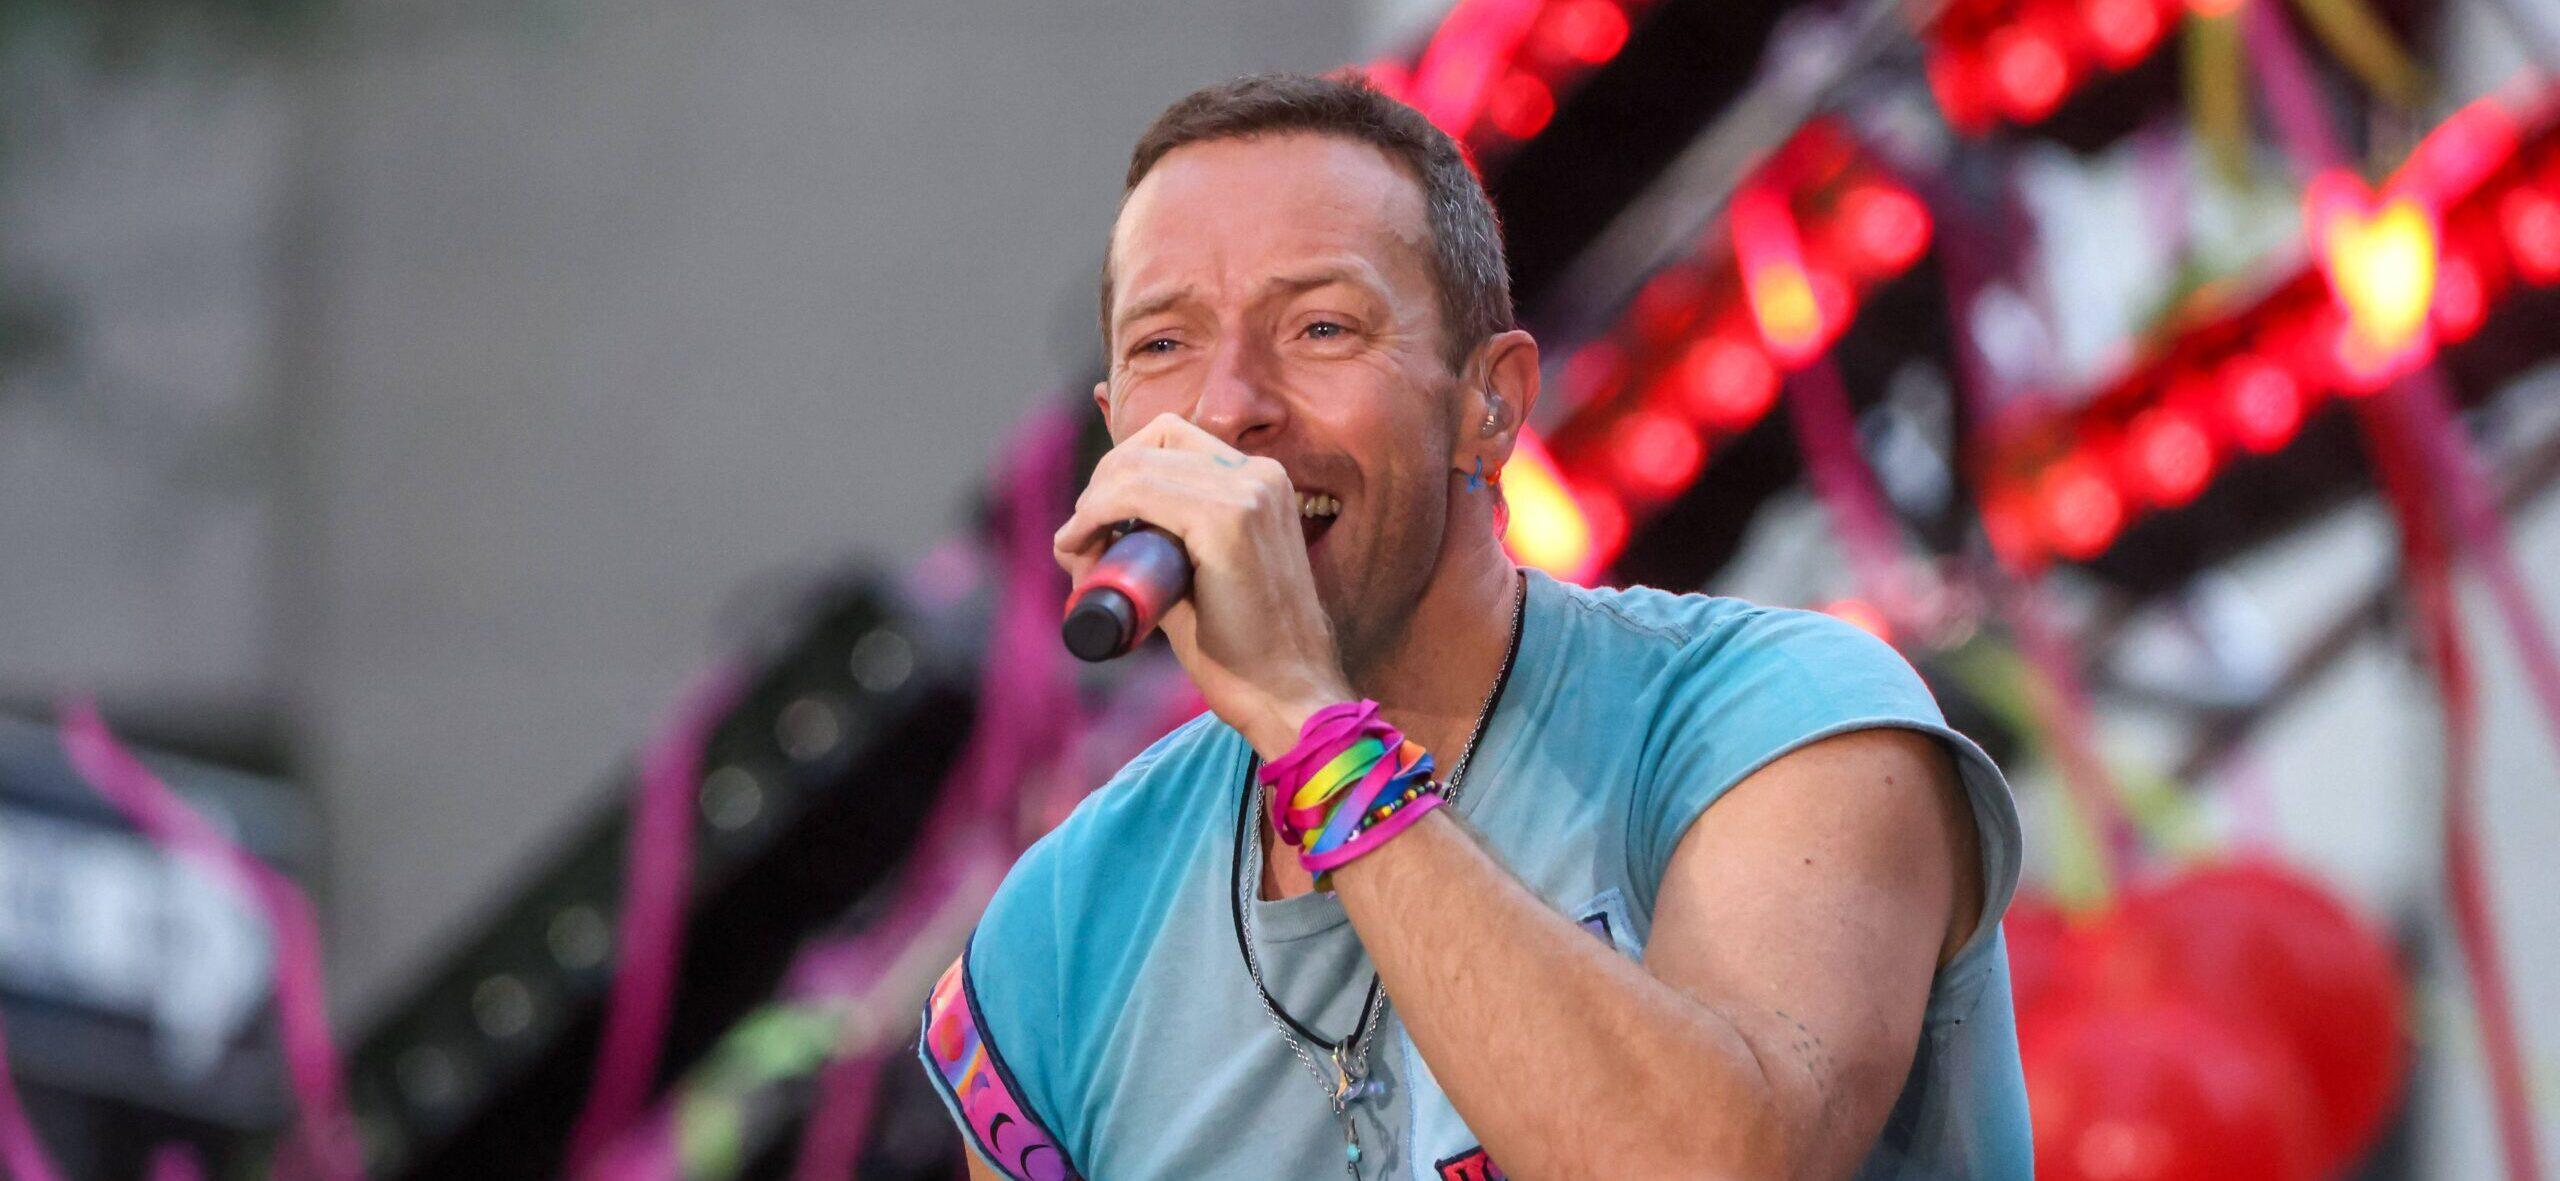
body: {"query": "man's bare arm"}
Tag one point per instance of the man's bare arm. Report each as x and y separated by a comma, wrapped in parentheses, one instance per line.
(1774, 1019)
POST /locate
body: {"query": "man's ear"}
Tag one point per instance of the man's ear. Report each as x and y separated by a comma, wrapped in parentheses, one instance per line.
(1102, 399)
(1510, 373)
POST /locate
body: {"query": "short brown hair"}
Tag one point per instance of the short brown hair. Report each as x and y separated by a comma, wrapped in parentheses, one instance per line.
(1466, 241)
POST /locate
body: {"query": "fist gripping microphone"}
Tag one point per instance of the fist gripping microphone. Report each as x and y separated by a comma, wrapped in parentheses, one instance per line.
(1142, 574)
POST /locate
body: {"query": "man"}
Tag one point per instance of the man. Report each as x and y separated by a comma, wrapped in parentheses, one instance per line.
(1581, 969)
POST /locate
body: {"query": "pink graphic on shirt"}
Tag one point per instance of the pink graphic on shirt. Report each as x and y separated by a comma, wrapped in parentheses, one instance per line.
(1006, 1133)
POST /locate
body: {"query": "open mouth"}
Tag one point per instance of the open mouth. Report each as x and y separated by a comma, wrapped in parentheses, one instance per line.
(1316, 515)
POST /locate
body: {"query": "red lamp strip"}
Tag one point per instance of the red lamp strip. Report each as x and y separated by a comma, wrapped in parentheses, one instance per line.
(2068, 484)
(1691, 363)
(1991, 62)
(1493, 71)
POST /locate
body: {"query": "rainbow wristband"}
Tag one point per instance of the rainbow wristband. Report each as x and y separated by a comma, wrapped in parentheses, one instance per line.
(1351, 783)
(1338, 748)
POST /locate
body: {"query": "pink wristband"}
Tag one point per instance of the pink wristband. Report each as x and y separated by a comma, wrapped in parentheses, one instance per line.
(1324, 734)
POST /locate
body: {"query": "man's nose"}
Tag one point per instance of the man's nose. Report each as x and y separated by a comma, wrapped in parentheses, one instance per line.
(1239, 402)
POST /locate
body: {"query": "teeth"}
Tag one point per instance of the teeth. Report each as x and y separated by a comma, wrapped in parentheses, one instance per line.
(1317, 505)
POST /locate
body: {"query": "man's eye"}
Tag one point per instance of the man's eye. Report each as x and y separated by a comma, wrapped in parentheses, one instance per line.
(1327, 330)
(1158, 345)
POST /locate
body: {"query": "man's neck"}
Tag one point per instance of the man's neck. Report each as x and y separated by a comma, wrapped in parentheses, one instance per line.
(1432, 680)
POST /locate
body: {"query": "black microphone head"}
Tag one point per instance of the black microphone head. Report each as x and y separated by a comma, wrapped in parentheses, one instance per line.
(1102, 625)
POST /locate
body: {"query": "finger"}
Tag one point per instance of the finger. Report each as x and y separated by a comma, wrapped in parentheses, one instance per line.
(1168, 503)
(1180, 478)
(1173, 432)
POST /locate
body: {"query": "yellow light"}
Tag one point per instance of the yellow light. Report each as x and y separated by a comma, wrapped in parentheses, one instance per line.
(1547, 529)
(2381, 264)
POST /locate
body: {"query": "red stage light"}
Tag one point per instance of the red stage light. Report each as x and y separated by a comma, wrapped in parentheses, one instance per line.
(2262, 403)
(1728, 384)
(1668, 302)
(1955, 79)
(2531, 219)
(2123, 31)
(2380, 258)
(2029, 72)
(1453, 82)
(1550, 527)
(2462, 298)
(1887, 227)
(1594, 374)
(2082, 511)
(2454, 158)
(2172, 454)
(1796, 316)
(2008, 522)
(1588, 31)
(1521, 106)
(1655, 454)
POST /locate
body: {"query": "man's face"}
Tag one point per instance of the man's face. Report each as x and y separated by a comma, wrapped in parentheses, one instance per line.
(1276, 291)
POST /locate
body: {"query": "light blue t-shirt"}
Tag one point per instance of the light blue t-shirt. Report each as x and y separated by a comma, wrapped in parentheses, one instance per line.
(1102, 1024)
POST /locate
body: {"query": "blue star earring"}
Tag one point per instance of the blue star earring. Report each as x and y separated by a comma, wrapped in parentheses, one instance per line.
(1475, 479)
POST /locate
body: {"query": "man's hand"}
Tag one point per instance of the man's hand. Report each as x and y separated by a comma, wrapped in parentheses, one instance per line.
(1251, 633)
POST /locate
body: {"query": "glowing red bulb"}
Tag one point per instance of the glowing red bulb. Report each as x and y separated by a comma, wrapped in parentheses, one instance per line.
(2082, 511)
(1657, 455)
(1955, 80)
(1521, 106)
(1669, 300)
(2262, 403)
(2531, 219)
(1728, 384)
(2008, 523)
(1887, 227)
(1607, 520)
(1589, 31)
(2172, 454)
(2123, 31)
(2029, 71)
(2462, 299)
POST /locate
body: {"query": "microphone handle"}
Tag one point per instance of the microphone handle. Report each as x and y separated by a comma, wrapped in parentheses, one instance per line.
(1142, 574)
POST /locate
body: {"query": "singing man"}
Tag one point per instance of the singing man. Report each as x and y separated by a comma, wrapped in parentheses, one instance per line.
(1467, 872)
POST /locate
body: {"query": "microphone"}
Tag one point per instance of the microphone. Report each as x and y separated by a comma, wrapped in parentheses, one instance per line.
(1142, 574)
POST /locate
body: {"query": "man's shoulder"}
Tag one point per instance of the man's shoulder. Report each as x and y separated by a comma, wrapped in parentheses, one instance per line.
(1160, 791)
(1703, 633)
(1100, 868)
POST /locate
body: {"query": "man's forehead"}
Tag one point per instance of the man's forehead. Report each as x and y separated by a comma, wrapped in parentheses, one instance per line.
(1292, 195)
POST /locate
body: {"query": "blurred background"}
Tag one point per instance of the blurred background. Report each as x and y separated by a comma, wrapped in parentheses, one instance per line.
(549, 502)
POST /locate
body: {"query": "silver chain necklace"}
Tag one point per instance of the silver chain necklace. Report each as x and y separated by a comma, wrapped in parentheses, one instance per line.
(1349, 1080)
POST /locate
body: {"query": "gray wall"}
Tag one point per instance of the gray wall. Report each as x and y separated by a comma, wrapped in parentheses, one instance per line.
(609, 311)
(428, 392)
